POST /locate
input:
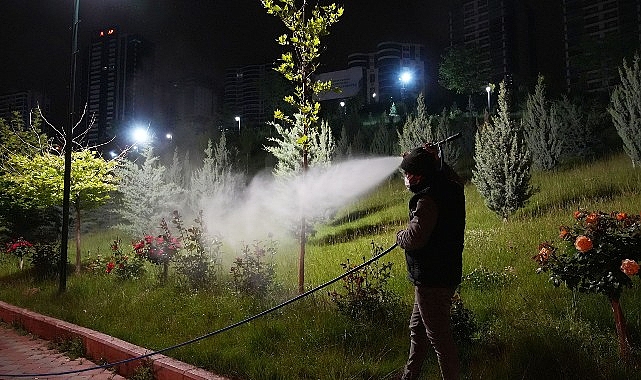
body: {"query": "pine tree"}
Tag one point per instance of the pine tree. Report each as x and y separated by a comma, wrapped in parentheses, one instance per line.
(541, 126)
(625, 109)
(147, 197)
(214, 181)
(417, 129)
(502, 170)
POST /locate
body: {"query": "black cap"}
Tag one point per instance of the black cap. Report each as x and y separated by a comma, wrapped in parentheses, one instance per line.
(420, 161)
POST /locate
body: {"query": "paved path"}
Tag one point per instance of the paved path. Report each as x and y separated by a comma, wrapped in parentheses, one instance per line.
(25, 354)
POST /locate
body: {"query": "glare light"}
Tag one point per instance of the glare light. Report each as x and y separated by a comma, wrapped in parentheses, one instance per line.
(140, 135)
(405, 77)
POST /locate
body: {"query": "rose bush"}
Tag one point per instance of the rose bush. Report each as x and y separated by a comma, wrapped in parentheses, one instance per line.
(599, 253)
(19, 248)
(593, 253)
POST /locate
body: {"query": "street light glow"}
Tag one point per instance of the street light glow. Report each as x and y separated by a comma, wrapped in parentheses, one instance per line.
(405, 77)
(140, 135)
(237, 118)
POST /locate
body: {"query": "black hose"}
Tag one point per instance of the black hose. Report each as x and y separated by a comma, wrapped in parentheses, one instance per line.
(246, 320)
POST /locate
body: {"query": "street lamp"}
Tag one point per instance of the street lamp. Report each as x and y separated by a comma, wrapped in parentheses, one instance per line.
(488, 89)
(237, 118)
(405, 78)
(68, 136)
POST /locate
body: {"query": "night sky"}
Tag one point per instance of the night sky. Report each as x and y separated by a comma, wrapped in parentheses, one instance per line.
(201, 37)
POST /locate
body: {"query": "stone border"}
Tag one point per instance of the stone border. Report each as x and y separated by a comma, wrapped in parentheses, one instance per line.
(101, 347)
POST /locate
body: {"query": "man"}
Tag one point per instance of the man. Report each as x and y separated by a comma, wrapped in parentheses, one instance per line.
(433, 244)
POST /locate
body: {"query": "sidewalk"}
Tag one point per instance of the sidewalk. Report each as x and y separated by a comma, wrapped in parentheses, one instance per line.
(17, 353)
(25, 354)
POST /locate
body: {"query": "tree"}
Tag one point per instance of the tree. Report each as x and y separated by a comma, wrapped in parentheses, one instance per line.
(625, 109)
(37, 180)
(461, 71)
(214, 179)
(298, 66)
(417, 129)
(147, 197)
(542, 129)
(502, 170)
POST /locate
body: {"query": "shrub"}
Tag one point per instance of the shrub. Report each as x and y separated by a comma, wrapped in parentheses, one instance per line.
(463, 322)
(45, 259)
(19, 248)
(364, 295)
(125, 267)
(196, 263)
(252, 273)
(599, 254)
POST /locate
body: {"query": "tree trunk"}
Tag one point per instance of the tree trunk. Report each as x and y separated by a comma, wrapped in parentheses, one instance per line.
(78, 258)
(622, 330)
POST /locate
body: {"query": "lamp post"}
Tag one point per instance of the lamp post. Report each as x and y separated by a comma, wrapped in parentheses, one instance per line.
(405, 78)
(237, 118)
(488, 89)
(68, 136)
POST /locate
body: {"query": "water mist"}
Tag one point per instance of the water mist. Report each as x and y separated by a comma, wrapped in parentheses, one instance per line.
(272, 207)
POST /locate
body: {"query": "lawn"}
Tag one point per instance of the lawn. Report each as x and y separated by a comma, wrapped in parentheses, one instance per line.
(524, 327)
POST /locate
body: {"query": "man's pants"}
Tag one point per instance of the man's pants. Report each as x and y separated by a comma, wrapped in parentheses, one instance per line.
(430, 324)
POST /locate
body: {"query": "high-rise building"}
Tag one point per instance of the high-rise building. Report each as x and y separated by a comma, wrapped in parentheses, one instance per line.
(23, 102)
(598, 34)
(245, 93)
(120, 87)
(498, 30)
(395, 71)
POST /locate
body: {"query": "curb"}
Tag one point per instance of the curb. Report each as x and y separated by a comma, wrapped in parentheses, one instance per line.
(101, 347)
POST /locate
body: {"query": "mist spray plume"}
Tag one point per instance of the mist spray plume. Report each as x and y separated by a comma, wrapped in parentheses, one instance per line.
(272, 207)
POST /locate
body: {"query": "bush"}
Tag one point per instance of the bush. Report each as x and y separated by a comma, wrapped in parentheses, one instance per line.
(463, 322)
(196, 263)
(125, 267)
(252, 273)
(364, 295)
(45, 260)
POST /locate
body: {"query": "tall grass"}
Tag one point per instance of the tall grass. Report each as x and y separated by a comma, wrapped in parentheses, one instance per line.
(527, 329)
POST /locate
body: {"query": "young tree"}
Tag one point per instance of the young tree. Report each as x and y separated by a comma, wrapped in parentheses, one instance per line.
(298, 66)
(502, 171)
(214, 179)
(542, 129)
(417, 129)
(147, 197)
(625, 109)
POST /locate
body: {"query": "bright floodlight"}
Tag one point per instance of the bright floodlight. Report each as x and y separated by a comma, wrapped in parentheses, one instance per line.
(237, 118)
(342, 104)
(169, 136)
(405, 77)
(488, 89)
(140, 135)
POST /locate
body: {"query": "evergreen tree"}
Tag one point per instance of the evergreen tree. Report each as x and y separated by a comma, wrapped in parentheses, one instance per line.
(577, 131)
(382, 142)
(417, 129)
(542, 129)
(625, 109)
(502, 171)
(147, 197)
(452, 151)
(214, 181)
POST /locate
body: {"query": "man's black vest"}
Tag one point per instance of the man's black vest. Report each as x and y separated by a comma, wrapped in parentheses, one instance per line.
(440, 262)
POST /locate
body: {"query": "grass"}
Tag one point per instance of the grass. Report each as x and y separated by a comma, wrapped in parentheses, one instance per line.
(527, 329)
